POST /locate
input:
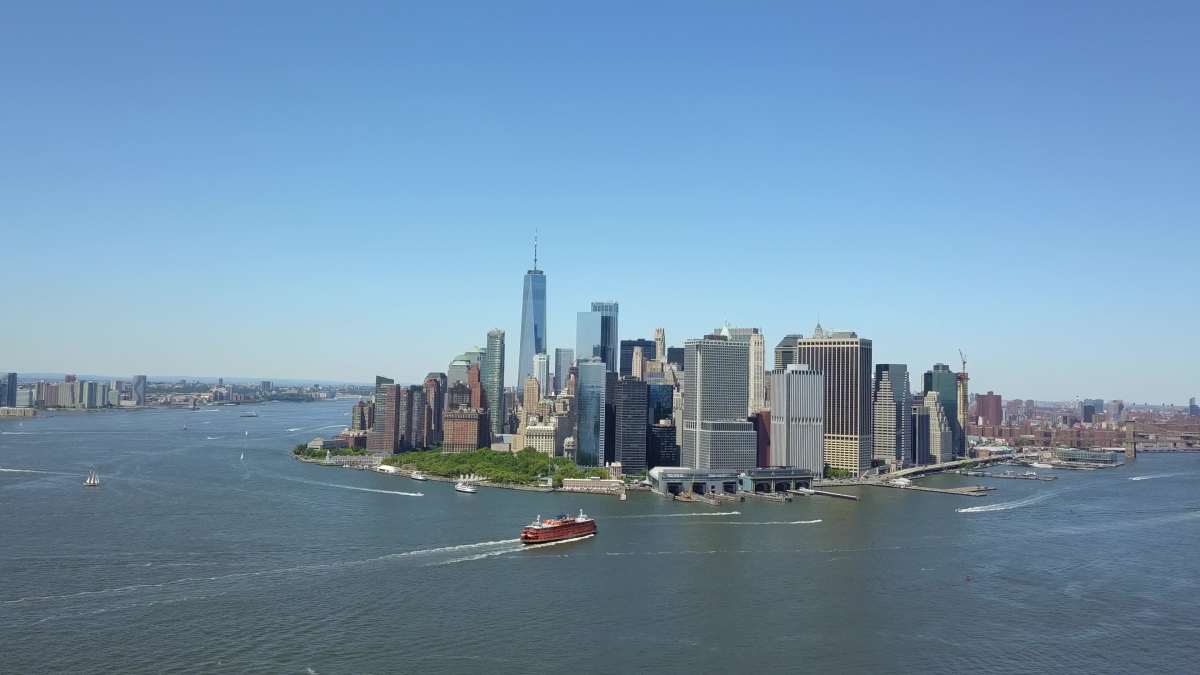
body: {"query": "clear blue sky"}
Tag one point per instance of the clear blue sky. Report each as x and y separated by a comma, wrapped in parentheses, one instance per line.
(334, 190)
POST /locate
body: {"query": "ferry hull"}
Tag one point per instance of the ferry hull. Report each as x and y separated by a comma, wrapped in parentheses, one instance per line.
(544, 535)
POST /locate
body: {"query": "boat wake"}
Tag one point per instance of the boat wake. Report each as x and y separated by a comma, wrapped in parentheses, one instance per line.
(210, 438)
(682, 515)
(55, 473)
(512, 549)
(1152, 476)
(364, 489)
(767, 522)
(294, 429)
(1008, 506)
(16, 433)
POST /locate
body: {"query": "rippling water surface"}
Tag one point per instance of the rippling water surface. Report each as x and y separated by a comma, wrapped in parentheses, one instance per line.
(191, 558)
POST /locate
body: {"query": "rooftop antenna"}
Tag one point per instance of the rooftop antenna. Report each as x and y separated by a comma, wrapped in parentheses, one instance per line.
(535, 237)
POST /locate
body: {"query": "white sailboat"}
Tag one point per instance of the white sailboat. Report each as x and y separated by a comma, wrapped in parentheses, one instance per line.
(243, 457)
(93, 480)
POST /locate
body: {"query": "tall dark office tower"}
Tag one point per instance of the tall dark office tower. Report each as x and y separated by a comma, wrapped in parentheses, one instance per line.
(418, 435)
(533, 319)
(659, 402)
(610, 417)
(435, 391)
(675, 357)
(475, 387)
(662, 450)
(893, 407)
(627, 347)
(384, 437)
(632, 427)
(945, 382)
(404, 414)
(845, 360)
(920, 434)
(563, 358)
(10, 391)
(493, 384)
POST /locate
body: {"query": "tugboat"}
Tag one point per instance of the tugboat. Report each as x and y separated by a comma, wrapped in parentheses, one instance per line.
(558, 528)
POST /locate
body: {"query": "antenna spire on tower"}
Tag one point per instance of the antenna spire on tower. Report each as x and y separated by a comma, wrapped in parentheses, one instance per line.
(535, 242)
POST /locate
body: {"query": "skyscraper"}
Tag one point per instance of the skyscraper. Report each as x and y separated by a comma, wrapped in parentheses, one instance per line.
(945, 383)
(590, 399)
(596, 334)
(8, 392)
(798, 418)
(962, 408)
(139, 390)
(845, 360)
(435, 404)
(920, 433)
(457, 370)
(493, 381)
(893, 410)
(660, 345)
(632, 427)
(541, 370)
(785, 351)
(756, 399)
(531, 393)
(627, 347)
(675, 357)
(637, 366)
(716, 434)
(563, 358)
(383, 436)
(941, 430)
(533, 320)
(991, 409)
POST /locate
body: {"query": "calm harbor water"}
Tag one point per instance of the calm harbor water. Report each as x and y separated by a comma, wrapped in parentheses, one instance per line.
(190, 558)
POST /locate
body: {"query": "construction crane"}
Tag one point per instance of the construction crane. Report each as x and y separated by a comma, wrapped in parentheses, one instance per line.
(963, 357)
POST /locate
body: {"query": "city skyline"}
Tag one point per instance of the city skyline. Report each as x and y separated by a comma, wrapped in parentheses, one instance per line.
(231, 227)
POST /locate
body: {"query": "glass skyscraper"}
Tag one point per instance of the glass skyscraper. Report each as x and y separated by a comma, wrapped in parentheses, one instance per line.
(590, 399)
(596, 334)
(493, 380)
(533, 321)
(563, 358)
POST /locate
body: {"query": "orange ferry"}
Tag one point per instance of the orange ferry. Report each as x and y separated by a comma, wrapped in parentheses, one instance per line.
(558, 528)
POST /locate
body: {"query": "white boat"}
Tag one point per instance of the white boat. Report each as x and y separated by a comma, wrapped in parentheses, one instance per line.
(1042, 465)
(417, 475)
(93, 480)
(463, 486)
(243, 457)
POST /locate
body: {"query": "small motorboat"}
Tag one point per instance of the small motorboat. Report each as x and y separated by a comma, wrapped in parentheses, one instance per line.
(463, 486)
(417, 475)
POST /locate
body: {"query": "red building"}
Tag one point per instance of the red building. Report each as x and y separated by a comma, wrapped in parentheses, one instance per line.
(991, 409)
